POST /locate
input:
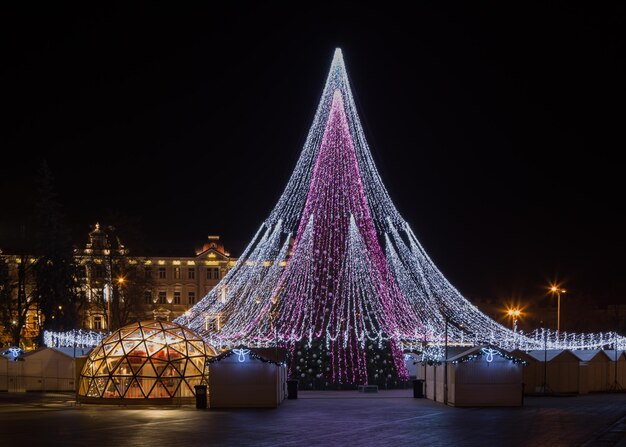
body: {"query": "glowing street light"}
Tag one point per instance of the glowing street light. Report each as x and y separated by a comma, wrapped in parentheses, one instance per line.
(556, 289)
(514, 314)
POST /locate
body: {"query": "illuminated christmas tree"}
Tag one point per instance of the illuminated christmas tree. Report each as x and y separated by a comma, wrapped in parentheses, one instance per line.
(316, 278)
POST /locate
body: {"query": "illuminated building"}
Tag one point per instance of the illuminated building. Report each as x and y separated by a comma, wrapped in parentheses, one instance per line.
(170, 285)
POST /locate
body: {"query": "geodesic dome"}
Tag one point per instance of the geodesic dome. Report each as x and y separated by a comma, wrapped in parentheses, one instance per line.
(148, 359)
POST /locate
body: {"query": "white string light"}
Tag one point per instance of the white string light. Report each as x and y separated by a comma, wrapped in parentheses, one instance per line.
(315, 269)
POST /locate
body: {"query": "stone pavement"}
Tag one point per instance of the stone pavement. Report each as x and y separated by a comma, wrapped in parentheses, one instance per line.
(333, 418)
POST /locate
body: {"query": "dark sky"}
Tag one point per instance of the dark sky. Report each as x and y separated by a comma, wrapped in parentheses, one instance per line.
(496, 128)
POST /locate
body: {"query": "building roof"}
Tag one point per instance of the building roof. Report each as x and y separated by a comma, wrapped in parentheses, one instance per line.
(214, 245)
(586, 355)
(44, 349)
(613, 354)
(74, 352)
(549, 354)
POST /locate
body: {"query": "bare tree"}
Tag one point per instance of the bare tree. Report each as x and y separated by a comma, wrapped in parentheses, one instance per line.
(16, 300)
(128, 303)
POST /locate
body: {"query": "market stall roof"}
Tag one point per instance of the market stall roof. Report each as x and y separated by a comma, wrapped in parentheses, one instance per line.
(586, 355)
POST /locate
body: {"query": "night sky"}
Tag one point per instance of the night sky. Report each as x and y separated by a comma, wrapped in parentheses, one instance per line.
(495, 128)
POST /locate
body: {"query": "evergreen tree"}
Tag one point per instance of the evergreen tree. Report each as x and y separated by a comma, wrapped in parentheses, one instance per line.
(55, 272)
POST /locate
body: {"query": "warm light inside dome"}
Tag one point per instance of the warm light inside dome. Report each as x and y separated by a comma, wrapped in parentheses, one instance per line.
(144, 360)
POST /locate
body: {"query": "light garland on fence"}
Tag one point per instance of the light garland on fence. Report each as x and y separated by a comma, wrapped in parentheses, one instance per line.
(315, 271)
(74, 338)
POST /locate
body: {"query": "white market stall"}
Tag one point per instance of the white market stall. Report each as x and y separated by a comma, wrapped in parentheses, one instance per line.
(477, 376)
(4, 373)
(617, 370)
(594, 370)
(48, 369)
(554, 371)
(485, 377)
(247, 378)
(432, 372)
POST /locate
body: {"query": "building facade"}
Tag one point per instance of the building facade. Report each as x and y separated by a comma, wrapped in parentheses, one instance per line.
(116, 285)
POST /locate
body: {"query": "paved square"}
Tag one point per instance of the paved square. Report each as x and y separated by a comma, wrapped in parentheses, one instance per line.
(344, 418)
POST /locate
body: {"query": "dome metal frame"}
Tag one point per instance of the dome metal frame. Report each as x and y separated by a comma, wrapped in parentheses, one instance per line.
(146, 360)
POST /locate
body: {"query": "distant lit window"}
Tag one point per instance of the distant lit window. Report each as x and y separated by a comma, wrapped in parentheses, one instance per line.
(161, 272)
(97, 323)
(191, 273)
(176, 297)
(162, 297)
(191, 297)
(176, 272)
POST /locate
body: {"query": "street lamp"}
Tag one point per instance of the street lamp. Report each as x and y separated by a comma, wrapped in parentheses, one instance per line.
(514, 314)
(106, 293)
(556, 289)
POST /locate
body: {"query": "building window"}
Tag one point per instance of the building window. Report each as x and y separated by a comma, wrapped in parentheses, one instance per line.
(212, 273)
(191, 297)
(148, 297)
(162, 297)
(216, 273)
(176, 297)
(161, 272)
(176, 272)
(148, 273)
(97, 323)
(99, 271)
(209, 273)
(191, 273)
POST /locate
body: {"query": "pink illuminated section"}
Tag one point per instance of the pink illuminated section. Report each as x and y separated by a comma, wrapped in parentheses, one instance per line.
(337, 286)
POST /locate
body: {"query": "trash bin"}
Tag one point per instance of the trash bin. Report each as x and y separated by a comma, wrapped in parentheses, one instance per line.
(201, 401)
(418, 388)
(292, 389)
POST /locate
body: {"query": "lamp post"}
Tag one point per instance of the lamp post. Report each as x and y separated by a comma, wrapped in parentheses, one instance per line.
(544, 385)
(106, 291)
(556, 289)
(514, 314)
